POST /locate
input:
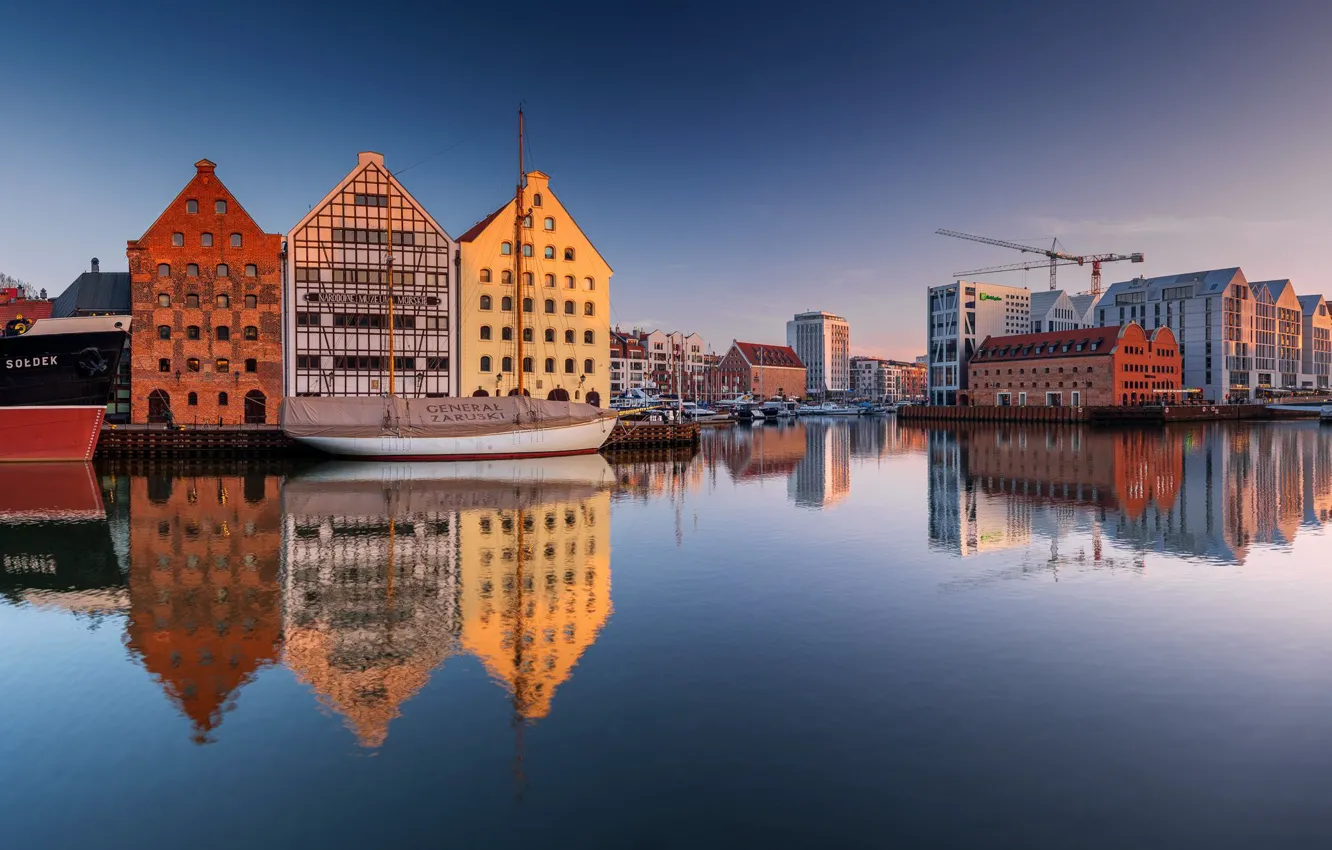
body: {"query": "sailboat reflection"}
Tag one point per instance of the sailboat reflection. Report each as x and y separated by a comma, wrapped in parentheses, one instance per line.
(393, 567)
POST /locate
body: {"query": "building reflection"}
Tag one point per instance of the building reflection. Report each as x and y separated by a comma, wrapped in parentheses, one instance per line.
(203, 586)
(1210, 492)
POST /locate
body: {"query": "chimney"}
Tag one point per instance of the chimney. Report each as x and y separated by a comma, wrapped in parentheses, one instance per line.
(96, 266)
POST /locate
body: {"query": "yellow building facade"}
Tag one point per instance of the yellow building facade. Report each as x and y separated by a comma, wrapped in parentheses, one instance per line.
(564, 294)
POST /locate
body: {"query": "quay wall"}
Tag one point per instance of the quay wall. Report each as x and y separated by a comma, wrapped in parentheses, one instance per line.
(1116, 415)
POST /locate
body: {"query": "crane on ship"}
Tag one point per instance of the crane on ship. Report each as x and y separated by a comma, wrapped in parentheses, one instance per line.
(1052, 258)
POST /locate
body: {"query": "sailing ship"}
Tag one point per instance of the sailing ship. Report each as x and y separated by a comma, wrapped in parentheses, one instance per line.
(513, 426)
(55, 378)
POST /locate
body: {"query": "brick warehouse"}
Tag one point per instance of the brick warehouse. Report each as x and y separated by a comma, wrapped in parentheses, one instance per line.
(764, 371)
(1094, 367)
(206, 295)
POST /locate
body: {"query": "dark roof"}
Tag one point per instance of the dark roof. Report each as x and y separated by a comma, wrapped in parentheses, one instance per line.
(1095, 342)
(475, 230)
(94, 292)
(771, 355)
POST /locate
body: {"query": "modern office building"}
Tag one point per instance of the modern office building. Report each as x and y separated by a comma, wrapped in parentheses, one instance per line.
(962, 314)
(206, 296)
(337, 294)
(1054, 310)
(1315, 342)
(564, 297)
(822, 341)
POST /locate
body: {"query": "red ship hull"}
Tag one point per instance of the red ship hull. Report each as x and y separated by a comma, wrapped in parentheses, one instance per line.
(49, 433)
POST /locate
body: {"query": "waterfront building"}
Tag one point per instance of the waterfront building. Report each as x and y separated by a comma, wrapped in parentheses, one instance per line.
(564, 296)
(1054, 310)
(99, 293)
(677, 362)
(337, 315)
(960, 315)
(1094, 367)
(628, 362)
(869, 378)
(1278, 325)
(1084, 305)
(1315, 342)
(206, 301)
(822, 342)
(906, 381)
(1212, 314)
(763, 371)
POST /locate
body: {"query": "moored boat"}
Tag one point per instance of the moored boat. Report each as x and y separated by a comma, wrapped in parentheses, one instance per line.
(54, 383)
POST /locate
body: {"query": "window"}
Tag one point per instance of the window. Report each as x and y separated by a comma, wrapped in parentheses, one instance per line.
(569, 336)
(548, 223)
(536, 199)
(485, 364)
(485, 302)
(568, 308)
(235, 240)
(223, 333)
(527, 305)
(178, 240)
(527, 364)
(221, 399)
(550, 305)
(251, 332)
(251, 302)
(163, 270)
(587, 367)
(192, 299)
(485, 331)
(527, 221)
(506, 333)
(192, 270)
(550, 334)
(550, 365)
(568, 253)
(223, 270)
(589, 309)
(191, 206)
(223, 364)
(568, 281)
(206, 240)
(220, 207)
(568, 366)
(527, 249)
(251, 270)
(163, 299)
(192, 332)
(549, 252)
(485, 276)
(506, 364)
(527, 278)
(251, 365)
(506, 277)
(192, 399)
(224, 301)
(589, 284)
(528, 335)
(506, 248)
(506, 303)
(164, 365)
(588, 337)
(550, 281)
(192, 365)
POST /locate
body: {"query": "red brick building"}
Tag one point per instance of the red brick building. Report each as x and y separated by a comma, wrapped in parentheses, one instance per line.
(763, 371)
(16, 309)
(1091, 367)
(206, 296)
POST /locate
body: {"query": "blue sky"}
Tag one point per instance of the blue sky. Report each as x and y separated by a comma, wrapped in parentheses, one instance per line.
(734, 162)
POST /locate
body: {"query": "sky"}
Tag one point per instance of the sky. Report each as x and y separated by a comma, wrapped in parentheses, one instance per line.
(735, 163)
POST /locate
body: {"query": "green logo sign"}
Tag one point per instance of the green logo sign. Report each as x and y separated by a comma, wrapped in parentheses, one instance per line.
(985, 297)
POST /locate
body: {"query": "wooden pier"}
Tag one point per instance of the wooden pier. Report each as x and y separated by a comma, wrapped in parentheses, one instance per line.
(650, 435)
(159, 441)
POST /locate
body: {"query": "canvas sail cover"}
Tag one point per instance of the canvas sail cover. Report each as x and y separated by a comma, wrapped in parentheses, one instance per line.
(428, 417)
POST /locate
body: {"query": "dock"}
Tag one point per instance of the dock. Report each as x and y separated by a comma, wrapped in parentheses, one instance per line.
(651, 435)
(1117, 415)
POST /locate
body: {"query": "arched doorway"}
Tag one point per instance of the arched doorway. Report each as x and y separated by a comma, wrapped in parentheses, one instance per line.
(594, 398)
(514, 391)
(159, 406)
(558, 394)
(480, 393)
(256, 408)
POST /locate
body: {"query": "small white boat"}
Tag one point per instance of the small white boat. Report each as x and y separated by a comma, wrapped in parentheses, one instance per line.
(829, 408)
(779, 409)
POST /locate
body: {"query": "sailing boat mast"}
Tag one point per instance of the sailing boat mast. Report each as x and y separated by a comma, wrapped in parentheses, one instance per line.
(388, 200)
(518, 253)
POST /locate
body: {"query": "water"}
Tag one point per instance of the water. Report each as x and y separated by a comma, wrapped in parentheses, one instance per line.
(840, 634)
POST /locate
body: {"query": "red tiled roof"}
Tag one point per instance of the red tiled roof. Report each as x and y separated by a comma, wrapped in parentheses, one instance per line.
(30, 310)
(772, 355)
(1094, 342)
(475, 230)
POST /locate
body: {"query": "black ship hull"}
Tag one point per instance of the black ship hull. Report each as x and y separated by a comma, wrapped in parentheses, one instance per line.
(59, 369)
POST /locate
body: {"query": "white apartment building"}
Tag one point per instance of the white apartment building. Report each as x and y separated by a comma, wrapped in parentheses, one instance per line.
(676, 361)
(961, 315)
(822, 341)
(1315, 342)
(1054, 310)
(869, 378)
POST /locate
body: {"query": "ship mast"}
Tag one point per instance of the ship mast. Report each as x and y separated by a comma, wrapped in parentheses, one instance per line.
(388, 199)
(518, 253)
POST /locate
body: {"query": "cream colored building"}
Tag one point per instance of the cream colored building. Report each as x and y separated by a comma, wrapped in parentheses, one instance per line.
(566, 293)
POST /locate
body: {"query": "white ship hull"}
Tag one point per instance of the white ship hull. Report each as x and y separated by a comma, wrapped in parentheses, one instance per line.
(577, 439)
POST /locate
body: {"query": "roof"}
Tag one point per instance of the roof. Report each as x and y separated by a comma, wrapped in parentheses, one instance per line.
(33, 310)
(475, 230)
(1277, 288)
(1084, 342)
(1209, 282)
(1082, 304)
(94, 292)
(1042, 302)
(761, 354)
(1309, 303)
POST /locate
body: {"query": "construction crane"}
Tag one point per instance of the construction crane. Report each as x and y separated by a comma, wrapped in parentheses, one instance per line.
(1052, 259)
